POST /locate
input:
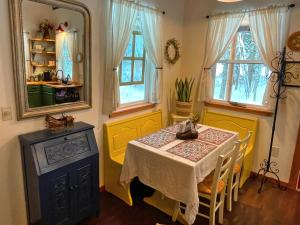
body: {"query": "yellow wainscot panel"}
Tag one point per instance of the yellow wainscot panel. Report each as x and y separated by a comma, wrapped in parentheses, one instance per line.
(238, 124)
(116, 136)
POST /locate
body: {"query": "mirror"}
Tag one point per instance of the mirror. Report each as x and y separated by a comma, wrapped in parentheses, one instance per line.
(51, 49)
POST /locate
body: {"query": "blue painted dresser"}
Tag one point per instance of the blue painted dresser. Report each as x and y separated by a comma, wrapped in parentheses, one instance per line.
(61, 175)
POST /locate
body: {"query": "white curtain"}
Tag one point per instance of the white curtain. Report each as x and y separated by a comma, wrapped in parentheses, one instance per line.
(28, 71)
(65, 53)
(120, 23)
(152, 32)
(269, 29)
(221, 31)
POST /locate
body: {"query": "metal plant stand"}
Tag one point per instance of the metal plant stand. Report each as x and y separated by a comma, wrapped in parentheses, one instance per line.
(280, 75)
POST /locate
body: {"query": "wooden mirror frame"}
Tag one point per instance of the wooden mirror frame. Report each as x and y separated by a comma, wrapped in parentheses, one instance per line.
(16, 23)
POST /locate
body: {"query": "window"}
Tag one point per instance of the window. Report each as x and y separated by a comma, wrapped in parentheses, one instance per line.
(66, 61)
(64, 49)
(240, 75)
(132, 71)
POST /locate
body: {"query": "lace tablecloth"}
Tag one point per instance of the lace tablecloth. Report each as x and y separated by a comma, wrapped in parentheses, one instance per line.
(175, 167)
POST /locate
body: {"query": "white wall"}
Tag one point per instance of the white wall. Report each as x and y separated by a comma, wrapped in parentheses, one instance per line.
(185, 21)
(195, 27)
(12, 207)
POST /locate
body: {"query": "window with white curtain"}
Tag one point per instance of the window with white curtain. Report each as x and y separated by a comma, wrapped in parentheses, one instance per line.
(240, 75)
(64, 49)
(132, 69)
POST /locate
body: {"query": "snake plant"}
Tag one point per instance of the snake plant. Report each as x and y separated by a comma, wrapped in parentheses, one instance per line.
(183, 89)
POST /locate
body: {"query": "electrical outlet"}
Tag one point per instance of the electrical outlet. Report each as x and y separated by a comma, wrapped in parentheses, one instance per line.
(275, 151)
(6, 113)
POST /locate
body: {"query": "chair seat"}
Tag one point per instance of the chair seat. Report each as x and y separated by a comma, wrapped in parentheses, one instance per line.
(206, 185)
(236, 168)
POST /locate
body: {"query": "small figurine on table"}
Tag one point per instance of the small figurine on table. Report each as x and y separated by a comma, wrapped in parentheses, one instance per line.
(187, 130)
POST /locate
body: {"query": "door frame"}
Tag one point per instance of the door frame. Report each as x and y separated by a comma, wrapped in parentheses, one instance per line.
(296, 165)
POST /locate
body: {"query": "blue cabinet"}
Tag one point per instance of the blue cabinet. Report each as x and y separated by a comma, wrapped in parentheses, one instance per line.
(61, 173)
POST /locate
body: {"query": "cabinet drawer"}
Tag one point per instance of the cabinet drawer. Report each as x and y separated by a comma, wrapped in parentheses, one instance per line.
(33, 88)
(47, 89)
(61, 151)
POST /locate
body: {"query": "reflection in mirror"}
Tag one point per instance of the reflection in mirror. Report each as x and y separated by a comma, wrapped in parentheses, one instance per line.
(53, 40)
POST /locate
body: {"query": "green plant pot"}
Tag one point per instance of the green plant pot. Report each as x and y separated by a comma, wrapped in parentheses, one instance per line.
(183, 108)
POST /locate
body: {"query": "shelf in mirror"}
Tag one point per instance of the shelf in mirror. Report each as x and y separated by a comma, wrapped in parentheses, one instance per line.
(42, 52)
(43, 65)
(42, 40)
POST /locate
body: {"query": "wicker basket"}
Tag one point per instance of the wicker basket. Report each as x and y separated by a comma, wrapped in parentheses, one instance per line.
(58, 125)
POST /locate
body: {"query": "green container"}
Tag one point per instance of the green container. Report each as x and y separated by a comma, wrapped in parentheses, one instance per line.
(48, 95)
(48, 89)
(34, 96)
(34, 88)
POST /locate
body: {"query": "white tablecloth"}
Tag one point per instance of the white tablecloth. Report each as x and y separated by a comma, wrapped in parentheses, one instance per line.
(174, 176)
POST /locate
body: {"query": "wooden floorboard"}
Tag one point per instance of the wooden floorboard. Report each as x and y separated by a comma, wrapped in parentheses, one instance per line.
(271, 207)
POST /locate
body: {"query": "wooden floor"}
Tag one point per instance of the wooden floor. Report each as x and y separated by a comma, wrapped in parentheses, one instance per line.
(271, 207)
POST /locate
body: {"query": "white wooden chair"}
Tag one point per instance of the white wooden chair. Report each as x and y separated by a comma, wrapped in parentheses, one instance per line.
(214, 185)
(235, 172)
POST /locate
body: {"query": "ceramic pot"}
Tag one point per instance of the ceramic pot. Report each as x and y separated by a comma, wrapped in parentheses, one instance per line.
(183, 108)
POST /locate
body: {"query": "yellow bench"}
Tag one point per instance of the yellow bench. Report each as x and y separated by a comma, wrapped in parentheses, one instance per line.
(238, 124)
(116, 136)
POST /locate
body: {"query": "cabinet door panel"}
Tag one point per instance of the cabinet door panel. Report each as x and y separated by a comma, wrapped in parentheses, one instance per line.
(86, 191)
(60, 200)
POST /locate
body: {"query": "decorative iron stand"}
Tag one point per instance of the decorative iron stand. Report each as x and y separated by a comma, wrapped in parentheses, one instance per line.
(280, 75)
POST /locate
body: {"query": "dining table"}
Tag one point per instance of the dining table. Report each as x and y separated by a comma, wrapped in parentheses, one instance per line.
(175, 167)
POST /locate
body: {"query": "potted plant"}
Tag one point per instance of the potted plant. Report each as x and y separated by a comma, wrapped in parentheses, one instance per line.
(45, 28)
(183, 91)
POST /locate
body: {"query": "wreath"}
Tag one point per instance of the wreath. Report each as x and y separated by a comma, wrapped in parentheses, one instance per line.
(294, 41)
(174, 43)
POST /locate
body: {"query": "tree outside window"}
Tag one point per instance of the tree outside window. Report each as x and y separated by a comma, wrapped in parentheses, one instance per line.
(132, 71)
(240, 75)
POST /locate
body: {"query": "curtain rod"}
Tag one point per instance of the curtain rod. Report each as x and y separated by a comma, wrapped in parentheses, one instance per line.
(148, 7)
(253, 10)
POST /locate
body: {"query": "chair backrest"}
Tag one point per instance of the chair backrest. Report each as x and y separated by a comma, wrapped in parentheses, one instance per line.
(118, 133)
(242, 149)
(222, 170)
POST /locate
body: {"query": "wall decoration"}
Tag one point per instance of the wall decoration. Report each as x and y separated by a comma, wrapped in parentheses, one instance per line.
(294, 41)
(172, 53)
(292, 78)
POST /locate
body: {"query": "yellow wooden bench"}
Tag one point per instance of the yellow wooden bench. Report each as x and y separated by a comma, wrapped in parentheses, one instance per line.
(116, 136)
(238, 124)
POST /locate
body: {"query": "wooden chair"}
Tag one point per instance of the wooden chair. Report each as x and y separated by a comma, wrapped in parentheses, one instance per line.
(235, 172)
(214, 185)
(238, 124)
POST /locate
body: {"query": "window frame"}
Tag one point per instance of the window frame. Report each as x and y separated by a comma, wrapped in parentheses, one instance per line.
(133, 58)
(144, 80)
(230, 74)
